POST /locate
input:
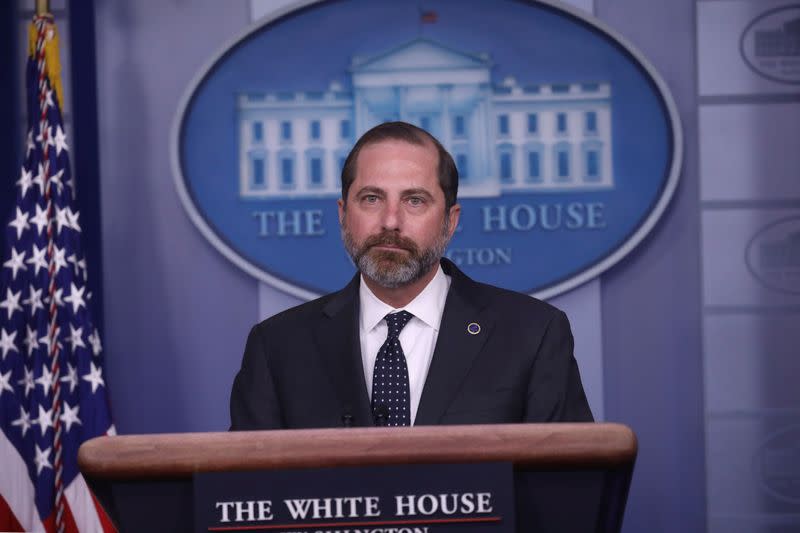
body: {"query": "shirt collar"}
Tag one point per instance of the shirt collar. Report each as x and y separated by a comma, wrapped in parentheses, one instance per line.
(428, 306)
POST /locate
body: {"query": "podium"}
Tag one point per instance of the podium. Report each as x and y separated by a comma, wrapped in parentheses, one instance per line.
(567, 477)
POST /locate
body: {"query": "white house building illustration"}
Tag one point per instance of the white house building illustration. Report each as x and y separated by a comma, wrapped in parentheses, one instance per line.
(505, 137)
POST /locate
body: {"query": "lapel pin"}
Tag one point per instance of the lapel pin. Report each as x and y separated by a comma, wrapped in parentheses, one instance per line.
(473, 328)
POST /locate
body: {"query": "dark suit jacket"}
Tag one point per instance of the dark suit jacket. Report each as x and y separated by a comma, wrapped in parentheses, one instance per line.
(302, 368)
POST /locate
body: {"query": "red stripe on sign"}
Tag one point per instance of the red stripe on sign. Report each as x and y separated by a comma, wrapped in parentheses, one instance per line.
(481, 520)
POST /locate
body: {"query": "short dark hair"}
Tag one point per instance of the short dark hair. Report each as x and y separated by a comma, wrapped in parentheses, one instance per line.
(403, 131)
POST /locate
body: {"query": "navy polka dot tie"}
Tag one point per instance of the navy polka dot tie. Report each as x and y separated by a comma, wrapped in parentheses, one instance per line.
(390, 395)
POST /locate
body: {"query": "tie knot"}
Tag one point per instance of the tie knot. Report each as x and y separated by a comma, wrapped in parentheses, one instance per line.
(397, 321)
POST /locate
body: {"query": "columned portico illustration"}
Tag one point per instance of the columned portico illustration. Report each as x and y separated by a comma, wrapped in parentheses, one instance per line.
(505, 137)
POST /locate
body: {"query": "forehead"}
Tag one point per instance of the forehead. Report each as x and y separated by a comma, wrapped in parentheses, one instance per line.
(397, 161)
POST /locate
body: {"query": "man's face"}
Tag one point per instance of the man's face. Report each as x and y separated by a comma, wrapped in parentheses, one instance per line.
(394, 224)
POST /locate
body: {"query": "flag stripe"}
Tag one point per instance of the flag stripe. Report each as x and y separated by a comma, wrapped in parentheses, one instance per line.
(82, 505)
(105, 520)
(16, 489)
(66, 524)
(8, 522)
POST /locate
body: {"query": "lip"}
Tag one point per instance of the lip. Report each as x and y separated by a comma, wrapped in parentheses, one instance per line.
(389, 247)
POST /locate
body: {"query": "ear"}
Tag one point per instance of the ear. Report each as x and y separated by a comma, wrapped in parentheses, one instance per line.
(453, 215)
(341, 206)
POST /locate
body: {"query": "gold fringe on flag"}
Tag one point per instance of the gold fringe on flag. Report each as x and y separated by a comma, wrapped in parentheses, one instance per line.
(52, 61)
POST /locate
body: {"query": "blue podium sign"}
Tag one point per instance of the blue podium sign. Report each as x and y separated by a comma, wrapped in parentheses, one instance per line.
(567, 141)
(378, 499)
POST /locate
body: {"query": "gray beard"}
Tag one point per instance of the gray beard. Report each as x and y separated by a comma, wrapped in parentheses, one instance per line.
(395, 269)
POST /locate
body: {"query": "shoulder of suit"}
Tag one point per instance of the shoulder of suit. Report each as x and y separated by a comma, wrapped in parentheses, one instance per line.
(299, 315)
(498, 300)
(507, 301)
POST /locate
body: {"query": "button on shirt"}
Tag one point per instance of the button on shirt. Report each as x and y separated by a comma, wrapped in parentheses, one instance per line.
(418, 338)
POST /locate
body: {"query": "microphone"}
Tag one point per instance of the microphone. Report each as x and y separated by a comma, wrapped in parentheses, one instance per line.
(347, 420)
(347, 416)
(381, 415)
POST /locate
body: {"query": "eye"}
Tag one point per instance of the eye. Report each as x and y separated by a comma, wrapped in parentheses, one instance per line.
(416, 201)
(369, 198)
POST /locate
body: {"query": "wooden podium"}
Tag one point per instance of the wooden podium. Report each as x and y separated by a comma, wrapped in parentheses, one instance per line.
(567, 477)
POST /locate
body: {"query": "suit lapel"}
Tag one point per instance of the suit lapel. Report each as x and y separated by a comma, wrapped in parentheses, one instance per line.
(337, 339)
(456, 347)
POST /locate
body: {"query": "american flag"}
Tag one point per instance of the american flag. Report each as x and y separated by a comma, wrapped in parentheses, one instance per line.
(53, 394)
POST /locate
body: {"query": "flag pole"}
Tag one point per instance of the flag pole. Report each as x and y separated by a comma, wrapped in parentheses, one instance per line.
(42, 7)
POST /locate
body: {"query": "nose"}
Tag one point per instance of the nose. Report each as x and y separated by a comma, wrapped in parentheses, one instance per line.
(392, 215)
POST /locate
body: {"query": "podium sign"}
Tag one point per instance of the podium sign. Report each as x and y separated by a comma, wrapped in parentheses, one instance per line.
(438, 498)
(567, 477)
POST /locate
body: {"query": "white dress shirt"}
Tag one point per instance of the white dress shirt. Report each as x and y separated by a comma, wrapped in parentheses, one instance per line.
(418, 338)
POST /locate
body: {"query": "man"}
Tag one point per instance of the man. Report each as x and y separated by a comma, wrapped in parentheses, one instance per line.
(411, 339)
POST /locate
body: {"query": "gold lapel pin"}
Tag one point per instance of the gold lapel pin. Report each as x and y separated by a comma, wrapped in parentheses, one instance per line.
(473, 328)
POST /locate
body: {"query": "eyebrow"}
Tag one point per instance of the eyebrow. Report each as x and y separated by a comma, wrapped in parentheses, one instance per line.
(371, 189)
(417, 192)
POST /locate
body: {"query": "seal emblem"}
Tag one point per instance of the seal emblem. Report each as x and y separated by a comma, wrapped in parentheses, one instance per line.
(567, 141)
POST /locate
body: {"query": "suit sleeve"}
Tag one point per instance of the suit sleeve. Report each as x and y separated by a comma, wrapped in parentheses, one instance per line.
(254, 402)
(555, 391)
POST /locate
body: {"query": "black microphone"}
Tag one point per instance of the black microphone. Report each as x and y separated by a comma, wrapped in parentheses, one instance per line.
(347, 420)
(381, 415)
(347, 415)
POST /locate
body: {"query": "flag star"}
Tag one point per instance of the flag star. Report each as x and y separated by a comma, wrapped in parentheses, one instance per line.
(94, 377)
(16, 263)
(59, 258)
(48, 99)
(46, 341)
(11, 303)
(60, 140)
(35, 300)
(30, 145)
(31, 341)
(55, 179)
(38, 259)
(40, 219)
(45, 419)
(47, 137)
(39, 179)
(24, 421)
(46, 379)
(73, 219)
(71, 377)
(25, 181)
(94, 340)
(75, 338)
(70, 415)
(4, 386)
(75, 297)
(42, 459)
(20, 222)
(61, 219)
(75, 263)
(58, 298)
(27, 381)
(7, 343)
(71, 185)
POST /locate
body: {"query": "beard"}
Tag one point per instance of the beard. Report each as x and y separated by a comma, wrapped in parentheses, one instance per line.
(394, 268)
